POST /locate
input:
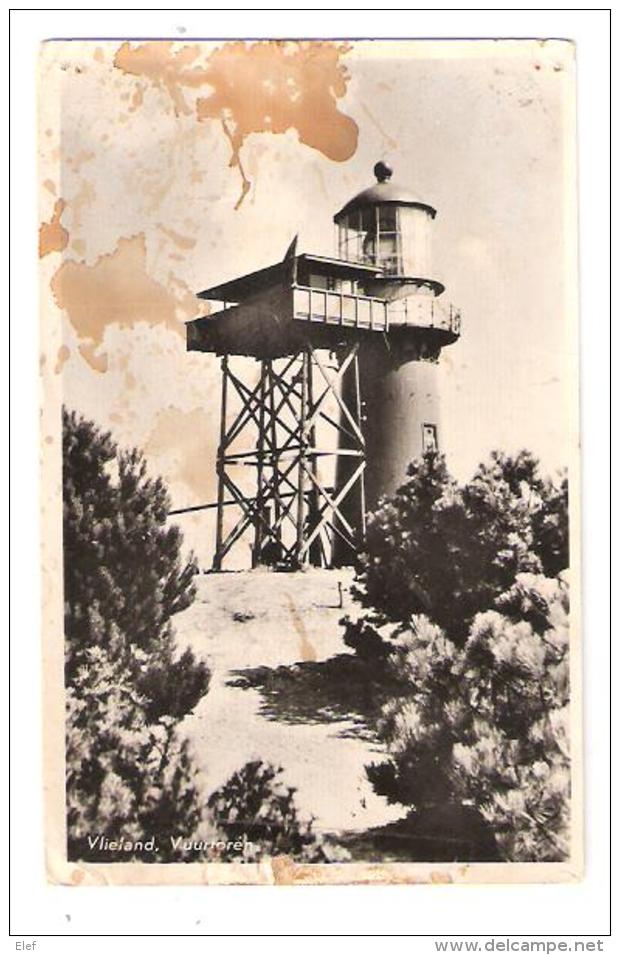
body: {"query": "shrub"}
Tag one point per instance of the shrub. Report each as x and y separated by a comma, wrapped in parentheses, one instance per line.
(126, 778)
(448, 551)
(488, 724)
(256, 805)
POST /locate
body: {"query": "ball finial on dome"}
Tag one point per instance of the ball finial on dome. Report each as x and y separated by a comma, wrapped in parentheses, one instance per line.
(382, 171)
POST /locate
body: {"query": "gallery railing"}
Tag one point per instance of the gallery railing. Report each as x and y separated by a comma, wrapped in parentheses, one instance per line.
(363, 311)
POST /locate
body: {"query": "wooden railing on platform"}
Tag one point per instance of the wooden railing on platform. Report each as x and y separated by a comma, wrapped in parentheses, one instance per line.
(339, 308)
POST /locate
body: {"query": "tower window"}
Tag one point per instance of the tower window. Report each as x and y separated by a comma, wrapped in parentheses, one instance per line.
(429, 438)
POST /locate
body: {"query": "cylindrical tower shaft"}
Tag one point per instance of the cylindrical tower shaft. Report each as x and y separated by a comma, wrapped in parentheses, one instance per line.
(388, 227)
(400, 418)
(401, 411)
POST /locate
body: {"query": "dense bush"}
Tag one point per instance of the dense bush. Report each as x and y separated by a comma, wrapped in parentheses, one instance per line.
(256, 805)
(450, 551)
(488, 724)
(127, 778)
(128, 774)
(462, 602)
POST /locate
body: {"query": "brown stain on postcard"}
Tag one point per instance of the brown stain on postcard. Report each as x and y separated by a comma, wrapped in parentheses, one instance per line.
(62, 357)
(275, 86)
(269, 86)
(166, 68)
(116, 289)
(53, 237)
(284, 871)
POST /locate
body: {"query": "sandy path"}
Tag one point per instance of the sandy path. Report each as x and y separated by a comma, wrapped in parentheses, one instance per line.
(281, 619)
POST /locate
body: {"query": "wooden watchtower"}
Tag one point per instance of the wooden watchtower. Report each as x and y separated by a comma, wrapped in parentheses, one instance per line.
(301, 320)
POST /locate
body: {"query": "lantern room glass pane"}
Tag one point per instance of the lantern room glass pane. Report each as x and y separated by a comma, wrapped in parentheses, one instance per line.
(395, 238)
(351, 237)
(415, 241)
(369, 248)
(368, 220)
(387, 219)
(388, 253)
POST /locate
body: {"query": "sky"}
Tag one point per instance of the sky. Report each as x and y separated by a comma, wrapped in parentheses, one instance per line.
(169, 167)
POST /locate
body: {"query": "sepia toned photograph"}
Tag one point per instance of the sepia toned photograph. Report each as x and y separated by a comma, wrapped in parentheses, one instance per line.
(309, 432)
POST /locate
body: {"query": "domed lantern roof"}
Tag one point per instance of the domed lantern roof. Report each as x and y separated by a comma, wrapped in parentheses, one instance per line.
(383, 192)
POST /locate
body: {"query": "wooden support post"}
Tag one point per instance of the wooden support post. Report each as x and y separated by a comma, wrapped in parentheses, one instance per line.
(316, 553)
(303, 440)
(359, 416)
(275, 464)
(260, 455)
(221, 465)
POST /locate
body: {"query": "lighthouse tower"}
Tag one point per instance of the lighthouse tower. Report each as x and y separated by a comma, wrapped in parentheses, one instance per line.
(329, 382)
(389, 228)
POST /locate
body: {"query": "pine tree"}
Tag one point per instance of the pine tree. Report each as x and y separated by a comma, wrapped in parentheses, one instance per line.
(128, 773)
(450, 551)
(123, 568)
(488, 725)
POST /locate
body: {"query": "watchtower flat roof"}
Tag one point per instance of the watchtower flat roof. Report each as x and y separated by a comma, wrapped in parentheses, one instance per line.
(340, 266)
(239, 289)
